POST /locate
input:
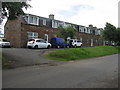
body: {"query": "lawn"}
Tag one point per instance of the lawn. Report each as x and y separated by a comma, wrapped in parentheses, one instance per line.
(82, 53)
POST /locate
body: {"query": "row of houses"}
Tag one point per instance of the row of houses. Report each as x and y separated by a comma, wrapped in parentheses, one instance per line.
(52, 23)
(19, 31)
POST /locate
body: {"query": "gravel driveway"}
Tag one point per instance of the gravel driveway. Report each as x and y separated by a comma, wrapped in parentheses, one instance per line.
(28, 57)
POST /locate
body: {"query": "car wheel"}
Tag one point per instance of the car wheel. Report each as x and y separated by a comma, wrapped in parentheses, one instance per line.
(48, 46)
(75, 46)
(81, 46)
(36, 47)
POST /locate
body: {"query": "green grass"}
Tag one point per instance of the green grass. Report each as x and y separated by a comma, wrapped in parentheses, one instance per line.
(82, 53)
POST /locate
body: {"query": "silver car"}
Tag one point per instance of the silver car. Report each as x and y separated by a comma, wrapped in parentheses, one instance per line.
(4, 43)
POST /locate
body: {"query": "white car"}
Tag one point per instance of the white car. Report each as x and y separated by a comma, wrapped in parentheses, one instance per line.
(38, 43)
(75, 43)
(4, 43)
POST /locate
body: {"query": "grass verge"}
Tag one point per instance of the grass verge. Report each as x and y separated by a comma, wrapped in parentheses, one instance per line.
(82, 53)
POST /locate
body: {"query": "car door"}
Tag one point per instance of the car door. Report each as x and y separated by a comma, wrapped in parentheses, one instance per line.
(43, 44)
(38, 42)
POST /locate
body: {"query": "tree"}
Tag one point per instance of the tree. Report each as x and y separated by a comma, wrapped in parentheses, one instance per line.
(66, 32)
(14, 9)
(118, 36)
(111, 33)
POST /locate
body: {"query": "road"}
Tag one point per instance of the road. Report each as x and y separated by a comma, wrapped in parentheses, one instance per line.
(99, 72)
(27, 57)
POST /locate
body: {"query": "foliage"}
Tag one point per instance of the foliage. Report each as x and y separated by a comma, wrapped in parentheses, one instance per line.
(66, 32)
(111, 33)
(118, 36)
(82, 53)
(14, 9)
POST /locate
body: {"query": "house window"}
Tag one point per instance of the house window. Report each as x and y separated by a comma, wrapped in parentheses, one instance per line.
(35, 20)
(84, 30)
(56, 24)
(32, 35)
(31, 20)
(79, 30)
(44, 22)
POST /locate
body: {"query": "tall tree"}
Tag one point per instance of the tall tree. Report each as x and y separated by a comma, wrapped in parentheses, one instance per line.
(13, 9)
(66, 32)
(118, 36)
(109, 32)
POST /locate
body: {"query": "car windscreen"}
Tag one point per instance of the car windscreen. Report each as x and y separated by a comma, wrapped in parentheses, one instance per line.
(4, 40)
(31, 40)
(78, 41)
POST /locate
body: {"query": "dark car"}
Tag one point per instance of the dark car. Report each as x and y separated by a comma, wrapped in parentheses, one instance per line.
(59, 42)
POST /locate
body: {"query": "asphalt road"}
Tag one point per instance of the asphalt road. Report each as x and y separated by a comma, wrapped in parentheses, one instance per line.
(27, 57)
(99, 72)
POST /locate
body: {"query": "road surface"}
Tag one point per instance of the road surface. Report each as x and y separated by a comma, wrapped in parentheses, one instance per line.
(27, 57)
(99, 72)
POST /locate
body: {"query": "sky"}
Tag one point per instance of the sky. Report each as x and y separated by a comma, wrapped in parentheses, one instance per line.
(81, 12)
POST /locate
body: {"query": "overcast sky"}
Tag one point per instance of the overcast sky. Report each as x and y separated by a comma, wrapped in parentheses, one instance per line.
(81, 12)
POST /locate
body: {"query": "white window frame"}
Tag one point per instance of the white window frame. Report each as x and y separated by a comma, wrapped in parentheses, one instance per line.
(34, 22)
(44, 22)
(31, 19)
(56, 24)
(33, 35)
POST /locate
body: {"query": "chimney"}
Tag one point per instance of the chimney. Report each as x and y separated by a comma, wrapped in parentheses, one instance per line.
(90, 25)
(51, 16)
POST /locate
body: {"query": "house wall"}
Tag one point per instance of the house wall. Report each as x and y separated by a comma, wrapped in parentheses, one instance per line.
(17, 34)
(13, 32)
(86, 39)
(40, 30)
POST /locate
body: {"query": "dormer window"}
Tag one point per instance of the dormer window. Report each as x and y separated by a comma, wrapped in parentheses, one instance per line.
(35, 20)
(32, 19)
(44, 22)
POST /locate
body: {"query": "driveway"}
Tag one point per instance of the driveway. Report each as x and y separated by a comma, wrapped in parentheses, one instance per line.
(99, 72)
(28, 57)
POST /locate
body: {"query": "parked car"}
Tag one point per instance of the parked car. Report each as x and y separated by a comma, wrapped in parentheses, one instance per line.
(4, 43)
(38, 43)
(75, 43)
(59, 42)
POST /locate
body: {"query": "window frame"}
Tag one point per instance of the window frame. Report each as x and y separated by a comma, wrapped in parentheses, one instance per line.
(44, 21)
(33, 35)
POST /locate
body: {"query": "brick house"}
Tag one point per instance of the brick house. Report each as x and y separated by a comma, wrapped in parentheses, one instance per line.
(19, 31)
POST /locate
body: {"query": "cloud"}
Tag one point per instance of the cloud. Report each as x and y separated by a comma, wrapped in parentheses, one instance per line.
(81, 12)
(75, 10)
